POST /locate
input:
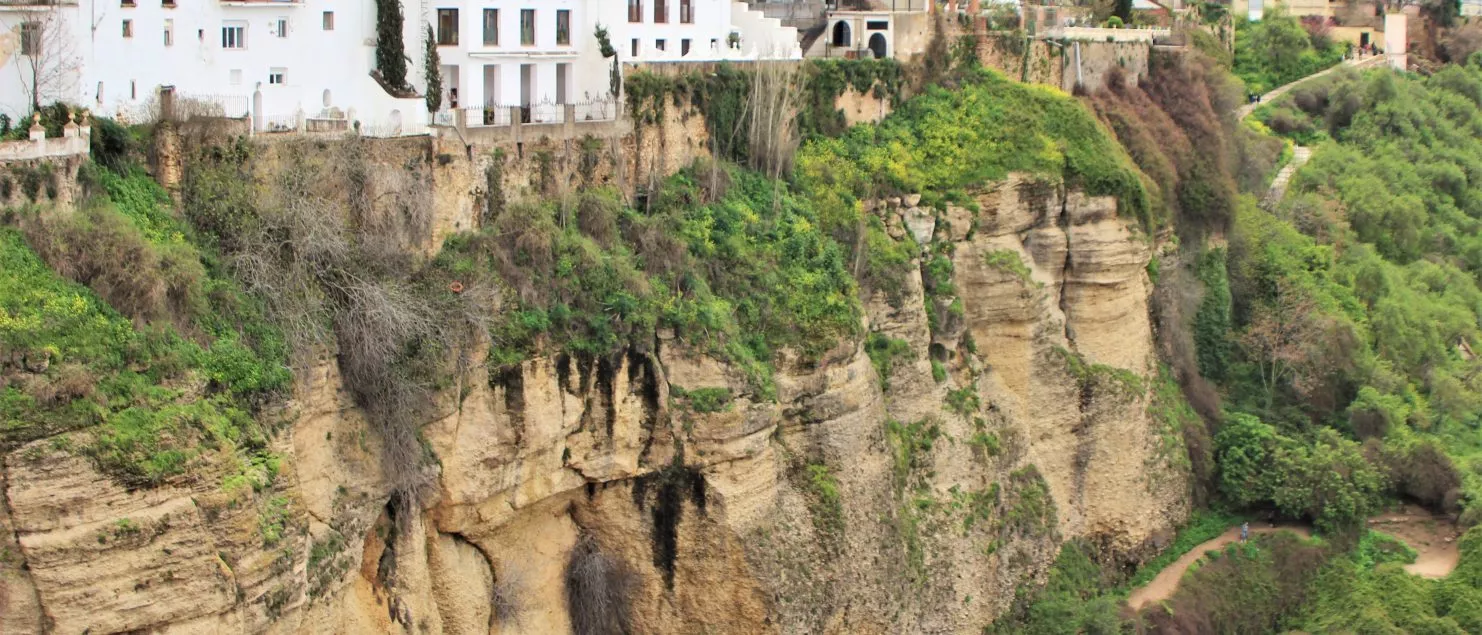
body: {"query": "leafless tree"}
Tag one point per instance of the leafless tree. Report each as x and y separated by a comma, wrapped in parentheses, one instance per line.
(772, 111)
(48, 61)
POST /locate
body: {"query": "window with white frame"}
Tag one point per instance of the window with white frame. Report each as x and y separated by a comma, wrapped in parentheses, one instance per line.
(128, 29)
(328, 20)
(563, 27)
(275, 75)
(169, 32)
(234, 35)
(280, 27)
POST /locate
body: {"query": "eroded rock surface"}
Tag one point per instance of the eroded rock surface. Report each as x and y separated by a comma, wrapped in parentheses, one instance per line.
(842, 506)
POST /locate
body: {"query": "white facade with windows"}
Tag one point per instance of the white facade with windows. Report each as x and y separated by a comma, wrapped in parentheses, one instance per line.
(281, 61)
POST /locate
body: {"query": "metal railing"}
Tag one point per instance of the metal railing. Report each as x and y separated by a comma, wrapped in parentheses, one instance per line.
(595, 110)
(492, 115)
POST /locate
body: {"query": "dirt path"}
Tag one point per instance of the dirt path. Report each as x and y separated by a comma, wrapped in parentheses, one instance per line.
(1372, 60)
(1432, 537)
(1166, 582)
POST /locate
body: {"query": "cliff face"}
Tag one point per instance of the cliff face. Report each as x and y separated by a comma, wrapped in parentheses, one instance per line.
(842, 506)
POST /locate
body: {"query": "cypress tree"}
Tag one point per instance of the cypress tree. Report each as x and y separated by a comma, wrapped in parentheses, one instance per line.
(391, 58)
(434, 74)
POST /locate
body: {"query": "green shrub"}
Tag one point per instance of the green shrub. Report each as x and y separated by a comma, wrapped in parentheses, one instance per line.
(885, 352)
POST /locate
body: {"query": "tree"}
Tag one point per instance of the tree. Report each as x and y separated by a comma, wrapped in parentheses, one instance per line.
(1329, 481)
(1123, 10)
(48, 61)
(1244, 447)
(433, 68)
(391, 57)
(1287, 338)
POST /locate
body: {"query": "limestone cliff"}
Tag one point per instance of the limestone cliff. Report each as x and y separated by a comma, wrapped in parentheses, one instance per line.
(1017, 420)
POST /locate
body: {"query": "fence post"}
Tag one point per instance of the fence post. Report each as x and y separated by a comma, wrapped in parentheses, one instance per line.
(37, 133)
(568, 114)
(460, 119)
(516, 114)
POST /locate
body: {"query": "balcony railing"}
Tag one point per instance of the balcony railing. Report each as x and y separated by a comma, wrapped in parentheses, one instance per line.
(491, 115)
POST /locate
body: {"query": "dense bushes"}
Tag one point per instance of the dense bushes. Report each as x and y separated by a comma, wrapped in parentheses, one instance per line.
(129, 386)
(1254, 587)
(1175, 126)
(740, 273)
(1277, 50)
(988, 126)
(1072, 601)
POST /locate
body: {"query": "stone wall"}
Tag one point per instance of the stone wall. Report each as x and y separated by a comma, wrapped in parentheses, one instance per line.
(1042, 62)
(43, 170)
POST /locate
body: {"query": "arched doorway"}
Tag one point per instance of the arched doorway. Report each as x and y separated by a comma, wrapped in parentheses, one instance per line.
(841, 37)
(877, 45)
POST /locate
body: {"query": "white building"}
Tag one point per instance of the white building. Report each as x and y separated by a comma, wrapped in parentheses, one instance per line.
(284, 61)
(542, 55)
(276, 60)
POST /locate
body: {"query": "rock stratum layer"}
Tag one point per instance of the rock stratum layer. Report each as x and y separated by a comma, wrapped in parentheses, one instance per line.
(840, 507)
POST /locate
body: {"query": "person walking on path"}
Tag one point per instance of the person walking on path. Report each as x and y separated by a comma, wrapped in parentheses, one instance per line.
(1244, 531)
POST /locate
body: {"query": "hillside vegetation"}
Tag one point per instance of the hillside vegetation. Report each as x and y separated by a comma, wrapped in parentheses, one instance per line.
(1317, 356)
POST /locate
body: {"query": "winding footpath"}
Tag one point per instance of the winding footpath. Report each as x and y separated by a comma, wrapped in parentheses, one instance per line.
(1366, 62)
(1166, 582)
(1300, 155)
(1432, 537)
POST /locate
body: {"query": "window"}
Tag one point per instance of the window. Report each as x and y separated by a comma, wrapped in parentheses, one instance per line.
(877, 25)
(280, 27)
(169, 32)
(126, 4)
(234, 36)
(491, 27)
(128, 29)
(659, 44)
(684, 46)
(168, 4)
(328, 20)
(635, 10)
(635, 47)
(563, 27)
(527, 27)
(447, 27)
(687, 11)
(661, 11)
(30, 38)
(275, 75)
